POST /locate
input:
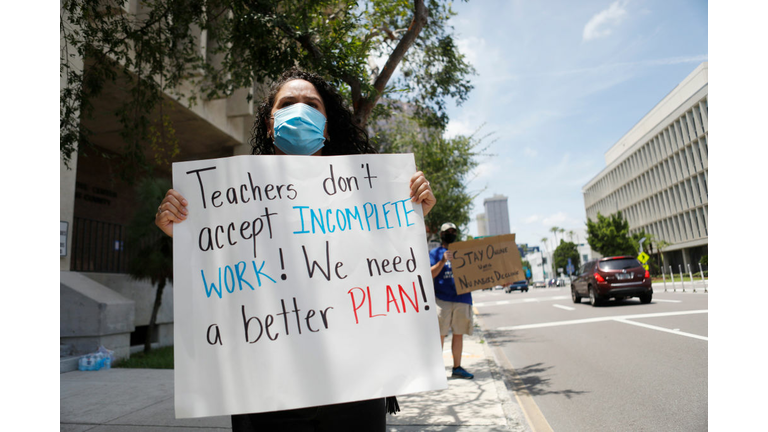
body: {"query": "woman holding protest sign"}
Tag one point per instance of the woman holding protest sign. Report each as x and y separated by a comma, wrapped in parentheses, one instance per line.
(304, 115)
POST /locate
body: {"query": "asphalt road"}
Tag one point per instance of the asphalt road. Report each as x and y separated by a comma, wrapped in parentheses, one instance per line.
(621, 367)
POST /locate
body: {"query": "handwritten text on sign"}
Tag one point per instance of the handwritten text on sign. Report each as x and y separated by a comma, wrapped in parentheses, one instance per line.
(485, 263)
(300, 281)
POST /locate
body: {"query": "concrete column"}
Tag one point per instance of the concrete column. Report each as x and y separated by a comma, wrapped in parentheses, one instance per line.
(686, 258)
(67, 175)
(67, 205)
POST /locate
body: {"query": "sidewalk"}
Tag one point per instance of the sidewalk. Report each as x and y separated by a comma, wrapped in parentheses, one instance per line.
(126, 400)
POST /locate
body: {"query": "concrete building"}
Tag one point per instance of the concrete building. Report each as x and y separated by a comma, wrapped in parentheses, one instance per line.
(657, 173)
(497, 215)
(99, 303)
(482, 225)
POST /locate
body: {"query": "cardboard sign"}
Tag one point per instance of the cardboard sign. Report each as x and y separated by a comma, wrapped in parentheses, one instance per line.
(485, 263)
(300, 281)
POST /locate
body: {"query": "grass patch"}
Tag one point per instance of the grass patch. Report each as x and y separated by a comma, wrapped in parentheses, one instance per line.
(160, 358)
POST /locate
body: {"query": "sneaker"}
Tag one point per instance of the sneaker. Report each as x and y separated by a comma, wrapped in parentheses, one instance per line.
(459, 372)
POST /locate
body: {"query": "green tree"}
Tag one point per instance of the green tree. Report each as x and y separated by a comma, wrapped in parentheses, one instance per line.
(564, 251)
(609, 236)
(156, 51)
(151, 251)
(447, 163)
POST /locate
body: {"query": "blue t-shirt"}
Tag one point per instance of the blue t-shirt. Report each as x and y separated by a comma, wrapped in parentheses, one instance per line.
(445, 287)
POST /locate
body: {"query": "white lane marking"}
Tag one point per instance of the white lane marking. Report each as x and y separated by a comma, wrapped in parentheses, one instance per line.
(563, 307)
(652, 327)
(519, 301)
(593, 320)
(668, 301)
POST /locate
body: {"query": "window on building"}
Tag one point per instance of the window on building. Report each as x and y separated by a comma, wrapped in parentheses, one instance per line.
(690, 129)
(697, 156)
(668, 234)
(703, 220)
(686, 166)
(701, 117)
(697, 121)
(696, 228)
(703, 181)
(693, 197)
(688, 218)
(680, 230)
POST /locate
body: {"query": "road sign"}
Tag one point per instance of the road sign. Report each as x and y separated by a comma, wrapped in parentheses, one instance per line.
(645, 266)
(643, 257)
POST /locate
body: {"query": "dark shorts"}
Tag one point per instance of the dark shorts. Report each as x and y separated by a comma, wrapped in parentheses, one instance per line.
(369, 415)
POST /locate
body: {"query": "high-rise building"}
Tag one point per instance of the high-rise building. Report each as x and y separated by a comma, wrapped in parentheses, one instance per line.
(497, 215)
(657, 173)
(482, 225)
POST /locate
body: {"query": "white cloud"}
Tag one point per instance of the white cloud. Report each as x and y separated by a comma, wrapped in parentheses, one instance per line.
(458, 127)
(555, 219)
(603, 23)
(531, 219)
(485, 171)
(472, 47)
(530, 152)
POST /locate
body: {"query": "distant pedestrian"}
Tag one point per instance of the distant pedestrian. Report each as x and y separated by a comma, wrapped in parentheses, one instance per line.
(454, 310)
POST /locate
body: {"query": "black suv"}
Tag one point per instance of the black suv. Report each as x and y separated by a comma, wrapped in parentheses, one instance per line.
(616, 277)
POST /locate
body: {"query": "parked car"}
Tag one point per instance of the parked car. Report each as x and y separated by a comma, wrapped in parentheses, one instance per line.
(616, 277)
(538, 284)
(519, 285)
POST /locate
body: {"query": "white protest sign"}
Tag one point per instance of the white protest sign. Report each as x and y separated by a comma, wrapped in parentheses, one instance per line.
(300, 281)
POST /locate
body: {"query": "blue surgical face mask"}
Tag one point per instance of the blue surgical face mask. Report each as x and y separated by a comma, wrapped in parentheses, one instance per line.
(299, 129)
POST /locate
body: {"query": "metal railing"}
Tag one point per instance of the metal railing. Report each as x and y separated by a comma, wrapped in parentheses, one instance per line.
(98, 246)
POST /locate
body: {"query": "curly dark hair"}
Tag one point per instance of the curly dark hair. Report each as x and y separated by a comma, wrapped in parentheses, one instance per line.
(346, 137)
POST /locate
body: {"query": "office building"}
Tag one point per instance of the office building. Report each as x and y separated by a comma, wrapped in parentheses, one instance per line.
(657, 174)
(482, 225)
(497, 215)
(99, 302)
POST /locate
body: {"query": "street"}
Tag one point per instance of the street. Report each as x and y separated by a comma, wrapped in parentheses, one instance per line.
(623, 366)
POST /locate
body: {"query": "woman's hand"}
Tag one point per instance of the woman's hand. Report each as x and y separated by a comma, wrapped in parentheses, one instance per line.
(421, 192)
(173, 209)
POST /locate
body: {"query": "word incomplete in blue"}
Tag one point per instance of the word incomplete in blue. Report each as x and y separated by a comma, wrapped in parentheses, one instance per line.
(234, 277)
(374, 217)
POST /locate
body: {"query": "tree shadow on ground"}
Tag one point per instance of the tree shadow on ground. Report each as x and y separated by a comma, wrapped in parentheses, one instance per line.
(532, 379)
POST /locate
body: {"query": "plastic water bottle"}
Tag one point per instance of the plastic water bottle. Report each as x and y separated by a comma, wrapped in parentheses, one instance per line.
(85, 363)
(107, 362)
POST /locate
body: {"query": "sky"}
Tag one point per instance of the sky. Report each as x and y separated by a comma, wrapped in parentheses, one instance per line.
(558, 83)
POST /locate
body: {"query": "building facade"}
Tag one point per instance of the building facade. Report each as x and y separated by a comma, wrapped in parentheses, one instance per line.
(496, 215)
(99, 302)
(657, 174)
(482, 225)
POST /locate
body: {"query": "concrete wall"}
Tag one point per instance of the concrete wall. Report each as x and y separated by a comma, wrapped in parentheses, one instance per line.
(143, 296)
(92, 315)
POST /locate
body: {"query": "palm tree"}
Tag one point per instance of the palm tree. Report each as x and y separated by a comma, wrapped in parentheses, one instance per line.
(571, 234)
(554, 230)
(661, 244)
(562, 232)
(544, 241)
(151, 250)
